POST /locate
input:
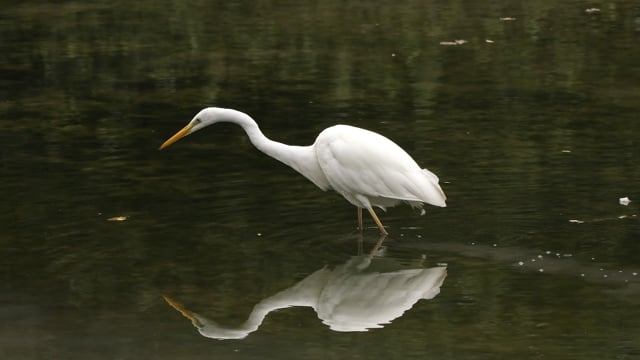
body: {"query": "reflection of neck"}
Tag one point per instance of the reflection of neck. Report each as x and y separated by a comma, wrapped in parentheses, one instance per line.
(305, 293)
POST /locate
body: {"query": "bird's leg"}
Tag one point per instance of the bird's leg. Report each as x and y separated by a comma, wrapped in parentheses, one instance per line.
(375, 218)
(360, 219)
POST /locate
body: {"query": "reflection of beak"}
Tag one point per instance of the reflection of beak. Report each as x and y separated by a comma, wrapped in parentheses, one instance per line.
(180, 134)
(186, 313)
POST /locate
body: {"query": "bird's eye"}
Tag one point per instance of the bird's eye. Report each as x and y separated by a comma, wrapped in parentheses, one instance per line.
(197, 121)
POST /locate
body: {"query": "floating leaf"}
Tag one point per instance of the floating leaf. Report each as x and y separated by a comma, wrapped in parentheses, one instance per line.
(117, 218)
(453, 43)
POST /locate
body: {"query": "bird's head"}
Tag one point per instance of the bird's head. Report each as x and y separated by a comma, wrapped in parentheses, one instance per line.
(204, 118)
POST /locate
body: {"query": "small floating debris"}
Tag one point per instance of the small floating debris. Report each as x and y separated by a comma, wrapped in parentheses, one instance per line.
(507, 18)
(576, 221)
(565, 151)
(488, 41)
(592, 10)
(520, 263)
(624, 201)
(541, 270)
(117, 218)
(453, 43)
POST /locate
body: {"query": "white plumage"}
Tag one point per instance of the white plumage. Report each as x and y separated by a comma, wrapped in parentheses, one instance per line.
(364, 167)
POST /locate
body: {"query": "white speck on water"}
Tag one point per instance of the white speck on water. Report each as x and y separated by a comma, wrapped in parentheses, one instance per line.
(539, 256)
(576, 221)
(624, 201)
(520, 263)
(605, 275)
(582, 275)
(567, 255)
(548, 252)
(634, 274)
(533, 260)
(259, 234)
(541, 270)
(419, 236)
(494, 245)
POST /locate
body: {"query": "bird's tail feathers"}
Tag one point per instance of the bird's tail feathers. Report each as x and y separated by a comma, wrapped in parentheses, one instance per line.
(441, 197)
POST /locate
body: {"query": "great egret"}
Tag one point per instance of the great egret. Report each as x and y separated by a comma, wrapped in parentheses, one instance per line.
(364, 167)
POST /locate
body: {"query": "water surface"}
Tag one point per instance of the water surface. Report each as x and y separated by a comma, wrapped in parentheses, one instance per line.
(530, 122)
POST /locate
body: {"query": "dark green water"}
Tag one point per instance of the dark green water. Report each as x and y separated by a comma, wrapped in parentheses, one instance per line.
(531, 124)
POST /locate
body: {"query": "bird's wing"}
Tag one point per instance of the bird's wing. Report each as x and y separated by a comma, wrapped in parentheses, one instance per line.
(359, 162)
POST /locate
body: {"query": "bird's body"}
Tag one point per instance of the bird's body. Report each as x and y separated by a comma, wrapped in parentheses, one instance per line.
(364, 167)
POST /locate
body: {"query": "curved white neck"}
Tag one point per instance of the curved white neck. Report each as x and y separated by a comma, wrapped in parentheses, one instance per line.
(300, 158)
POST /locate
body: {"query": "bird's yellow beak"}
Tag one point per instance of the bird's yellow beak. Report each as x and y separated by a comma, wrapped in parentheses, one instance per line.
(177, 136)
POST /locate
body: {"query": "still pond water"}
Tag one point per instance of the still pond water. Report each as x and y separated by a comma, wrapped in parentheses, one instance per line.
(527, 110)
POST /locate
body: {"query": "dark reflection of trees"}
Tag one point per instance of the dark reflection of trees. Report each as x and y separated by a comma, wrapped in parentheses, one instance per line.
(89, 91)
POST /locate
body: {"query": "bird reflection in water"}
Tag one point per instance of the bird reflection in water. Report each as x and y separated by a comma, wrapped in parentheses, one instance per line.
(347, 298)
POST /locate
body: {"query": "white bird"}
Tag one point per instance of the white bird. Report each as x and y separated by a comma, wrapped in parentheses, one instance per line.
(364, 167)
